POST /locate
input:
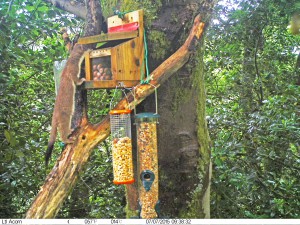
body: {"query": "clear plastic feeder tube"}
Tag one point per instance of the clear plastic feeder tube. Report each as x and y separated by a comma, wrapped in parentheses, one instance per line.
(147, 163)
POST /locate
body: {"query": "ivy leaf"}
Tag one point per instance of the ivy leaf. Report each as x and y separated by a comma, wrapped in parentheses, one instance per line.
(7, 135)
(218, 162)
(30, 8)
(43, 9)
(10, 137)
(20, 154)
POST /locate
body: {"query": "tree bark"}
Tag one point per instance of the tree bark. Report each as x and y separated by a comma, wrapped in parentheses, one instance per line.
(77, 9)
(73, 159)
(183, 140)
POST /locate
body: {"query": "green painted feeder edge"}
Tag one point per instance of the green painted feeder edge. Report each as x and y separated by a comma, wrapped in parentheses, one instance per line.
(146, 115)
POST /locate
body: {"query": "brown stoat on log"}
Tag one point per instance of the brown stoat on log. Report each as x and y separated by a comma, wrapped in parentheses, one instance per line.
(64, 103)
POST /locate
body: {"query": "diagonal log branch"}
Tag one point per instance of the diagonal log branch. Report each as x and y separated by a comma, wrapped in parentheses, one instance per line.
(65, 173)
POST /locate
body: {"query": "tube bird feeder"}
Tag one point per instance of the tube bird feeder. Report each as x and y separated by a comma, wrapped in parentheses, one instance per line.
(121, 146)
(147, 164)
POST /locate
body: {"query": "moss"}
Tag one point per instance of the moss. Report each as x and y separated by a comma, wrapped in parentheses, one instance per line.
(159, 45)
(108, 6)
(130, 5)
(174, 18)
(199, 205)
(130, 213)
(151, 9)
(193, 211)
(181, 95)
(203, 135)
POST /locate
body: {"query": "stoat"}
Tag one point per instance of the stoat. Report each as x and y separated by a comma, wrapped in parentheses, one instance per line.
(64, 103)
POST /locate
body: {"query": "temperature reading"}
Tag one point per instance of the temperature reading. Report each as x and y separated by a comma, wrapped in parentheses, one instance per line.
(116, 221)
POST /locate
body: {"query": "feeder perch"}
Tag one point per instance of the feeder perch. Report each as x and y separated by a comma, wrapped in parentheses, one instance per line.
(119, 57)
(147, 163)
(121, 146)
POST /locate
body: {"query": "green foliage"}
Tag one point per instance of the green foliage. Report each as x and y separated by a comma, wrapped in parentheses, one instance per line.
(256, 149)
(95, 195)
(29, 44)
(250, 61)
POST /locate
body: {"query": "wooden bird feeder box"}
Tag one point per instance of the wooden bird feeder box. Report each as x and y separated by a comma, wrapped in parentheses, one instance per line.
(119, 57)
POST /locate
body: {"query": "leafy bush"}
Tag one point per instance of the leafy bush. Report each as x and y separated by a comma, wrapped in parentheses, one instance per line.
(253, 112)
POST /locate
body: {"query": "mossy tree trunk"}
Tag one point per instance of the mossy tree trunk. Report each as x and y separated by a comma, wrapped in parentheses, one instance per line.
(183, 139)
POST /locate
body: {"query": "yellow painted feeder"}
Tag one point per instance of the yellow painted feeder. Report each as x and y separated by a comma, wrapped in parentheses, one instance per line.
(147, 164)
(121, 146)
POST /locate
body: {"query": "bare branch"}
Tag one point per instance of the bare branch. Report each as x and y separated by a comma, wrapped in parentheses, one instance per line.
(77, 9)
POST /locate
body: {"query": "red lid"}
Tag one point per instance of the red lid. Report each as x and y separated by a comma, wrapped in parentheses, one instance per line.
(124, 182)
(120, 111)
(124, 27)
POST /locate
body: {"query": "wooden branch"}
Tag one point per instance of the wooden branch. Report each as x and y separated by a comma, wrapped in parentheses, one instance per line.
(69, 6)
(64, 174)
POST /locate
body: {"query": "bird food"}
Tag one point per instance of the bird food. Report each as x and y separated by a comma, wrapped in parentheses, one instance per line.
(147, 163)
(121, 146)
(122, 160)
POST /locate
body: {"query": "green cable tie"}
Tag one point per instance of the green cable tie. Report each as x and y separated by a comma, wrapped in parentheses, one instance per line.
(61, 144)
(147, 80)
(146, 53)
(120, 14)
(142, 72)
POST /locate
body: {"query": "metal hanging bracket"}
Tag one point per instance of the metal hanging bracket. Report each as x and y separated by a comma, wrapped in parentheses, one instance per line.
(155, 93)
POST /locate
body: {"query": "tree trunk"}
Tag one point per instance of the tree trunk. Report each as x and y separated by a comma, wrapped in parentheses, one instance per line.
(183, 140)
(64, 175)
